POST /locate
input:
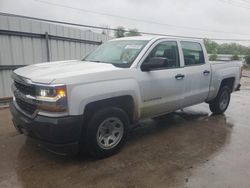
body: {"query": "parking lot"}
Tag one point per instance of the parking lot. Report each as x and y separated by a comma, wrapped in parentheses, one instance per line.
(190, 148)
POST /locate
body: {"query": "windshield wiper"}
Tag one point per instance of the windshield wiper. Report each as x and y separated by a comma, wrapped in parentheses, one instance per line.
(91, 61)
(95, 61)
(100, 62)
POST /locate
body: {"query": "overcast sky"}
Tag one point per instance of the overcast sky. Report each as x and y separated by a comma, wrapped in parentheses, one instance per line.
(199, 18)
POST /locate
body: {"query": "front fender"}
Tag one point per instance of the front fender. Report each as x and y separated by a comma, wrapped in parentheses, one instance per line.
(81, 95)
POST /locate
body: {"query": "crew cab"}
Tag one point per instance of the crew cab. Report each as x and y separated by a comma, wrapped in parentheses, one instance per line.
(90, 105)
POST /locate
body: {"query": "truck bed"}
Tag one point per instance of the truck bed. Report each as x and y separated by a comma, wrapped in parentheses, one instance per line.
(221, 70)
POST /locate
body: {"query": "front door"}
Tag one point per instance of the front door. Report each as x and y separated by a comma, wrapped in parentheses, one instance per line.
(162, 88)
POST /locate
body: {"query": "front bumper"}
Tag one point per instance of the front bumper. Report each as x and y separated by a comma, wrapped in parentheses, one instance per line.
(60, 135)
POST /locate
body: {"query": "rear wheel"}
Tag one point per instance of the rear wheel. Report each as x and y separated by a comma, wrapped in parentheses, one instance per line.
(106, 132)
(220, 103)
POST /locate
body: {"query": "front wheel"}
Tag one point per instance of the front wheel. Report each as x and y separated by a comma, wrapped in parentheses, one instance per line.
(220, 103)
(107, 131)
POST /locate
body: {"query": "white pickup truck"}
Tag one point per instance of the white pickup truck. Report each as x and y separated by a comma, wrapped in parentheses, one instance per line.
(90, 104)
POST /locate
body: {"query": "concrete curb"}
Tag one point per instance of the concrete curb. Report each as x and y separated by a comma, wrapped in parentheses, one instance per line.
(3, 107)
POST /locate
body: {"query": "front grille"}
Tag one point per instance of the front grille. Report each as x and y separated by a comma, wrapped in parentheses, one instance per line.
(26, 89)
(26, 107)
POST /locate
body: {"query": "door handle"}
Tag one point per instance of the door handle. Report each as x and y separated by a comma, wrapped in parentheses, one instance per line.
(206, 72)
(179, 76)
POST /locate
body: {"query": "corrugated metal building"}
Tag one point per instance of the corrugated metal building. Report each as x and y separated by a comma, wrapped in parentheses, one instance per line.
(24, 42)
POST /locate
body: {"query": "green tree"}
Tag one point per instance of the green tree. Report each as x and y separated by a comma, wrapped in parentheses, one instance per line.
(213, 57)
(247, 59)
(235, 57)
(232, 48)
(132, 32)
(225, 48)
(211, 46)
(119, 32)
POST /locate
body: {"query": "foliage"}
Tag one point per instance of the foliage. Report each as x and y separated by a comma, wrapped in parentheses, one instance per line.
(246, 66)
(226, 48)
(247, 59)
(119, 32)
(132, 32)
(106, 30)
(213, 57)
(235, 57)
(211, 46)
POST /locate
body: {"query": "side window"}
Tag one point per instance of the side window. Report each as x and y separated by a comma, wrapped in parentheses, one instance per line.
(193, 53)
(167, 51)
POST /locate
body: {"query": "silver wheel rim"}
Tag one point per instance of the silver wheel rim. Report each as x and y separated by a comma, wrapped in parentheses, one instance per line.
(110, 133)
(224, 100)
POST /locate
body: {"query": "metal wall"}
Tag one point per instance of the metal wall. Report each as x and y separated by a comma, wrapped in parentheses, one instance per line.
(25, 42)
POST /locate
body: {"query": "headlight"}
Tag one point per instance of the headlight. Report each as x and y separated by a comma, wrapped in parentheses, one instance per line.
(52, 99)
(50, 94)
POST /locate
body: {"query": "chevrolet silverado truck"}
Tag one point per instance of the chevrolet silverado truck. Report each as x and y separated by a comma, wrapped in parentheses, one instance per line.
(90, 105)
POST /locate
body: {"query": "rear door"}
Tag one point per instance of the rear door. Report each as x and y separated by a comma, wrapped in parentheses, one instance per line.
(197, 73)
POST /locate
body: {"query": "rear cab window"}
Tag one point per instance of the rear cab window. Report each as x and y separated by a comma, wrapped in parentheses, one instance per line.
(193, 53)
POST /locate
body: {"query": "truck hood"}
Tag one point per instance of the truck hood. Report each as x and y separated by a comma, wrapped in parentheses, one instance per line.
(49, 72)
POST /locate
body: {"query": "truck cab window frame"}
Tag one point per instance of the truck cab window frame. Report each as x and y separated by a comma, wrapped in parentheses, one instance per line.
(192, 53)
(165, 49)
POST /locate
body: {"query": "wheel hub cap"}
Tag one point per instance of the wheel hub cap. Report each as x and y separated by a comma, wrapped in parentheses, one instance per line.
(110, 133)
(224, 100)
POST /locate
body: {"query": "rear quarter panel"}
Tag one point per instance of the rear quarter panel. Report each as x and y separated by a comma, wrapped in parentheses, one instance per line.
(221, 71)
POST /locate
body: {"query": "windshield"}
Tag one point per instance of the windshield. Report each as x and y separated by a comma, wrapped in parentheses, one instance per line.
(120, 53)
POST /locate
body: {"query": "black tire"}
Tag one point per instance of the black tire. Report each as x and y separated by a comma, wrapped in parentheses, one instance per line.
(216, 105)
(92, 146)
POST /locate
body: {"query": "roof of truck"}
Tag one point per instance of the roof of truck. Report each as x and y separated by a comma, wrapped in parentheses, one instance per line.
(150, 37)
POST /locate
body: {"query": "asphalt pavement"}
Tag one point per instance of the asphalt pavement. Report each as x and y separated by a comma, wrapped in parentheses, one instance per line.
(189, 148)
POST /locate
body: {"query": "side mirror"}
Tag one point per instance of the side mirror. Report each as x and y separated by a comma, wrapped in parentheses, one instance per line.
(154, 63)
